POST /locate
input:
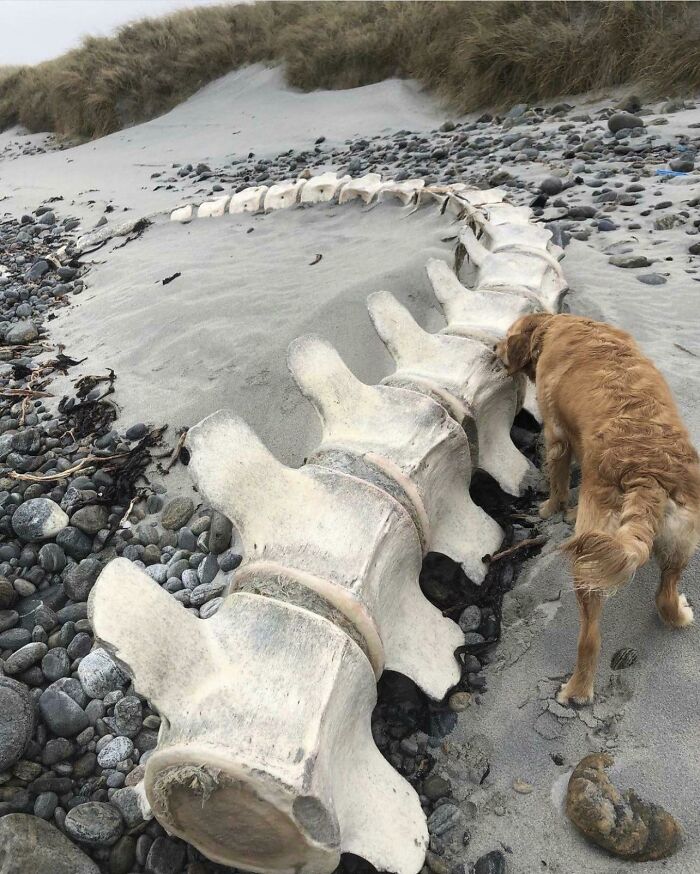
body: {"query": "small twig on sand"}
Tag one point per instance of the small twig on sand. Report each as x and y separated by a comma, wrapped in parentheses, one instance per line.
(683, 349)
(176, 452)
(533, 541)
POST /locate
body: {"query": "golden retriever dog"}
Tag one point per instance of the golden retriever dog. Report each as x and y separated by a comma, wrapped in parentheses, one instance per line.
(604, 402)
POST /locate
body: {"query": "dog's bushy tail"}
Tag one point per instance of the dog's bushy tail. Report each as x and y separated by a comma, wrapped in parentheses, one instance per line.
(604, 562)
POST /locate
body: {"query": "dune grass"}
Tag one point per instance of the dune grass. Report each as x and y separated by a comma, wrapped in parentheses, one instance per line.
(472, 55)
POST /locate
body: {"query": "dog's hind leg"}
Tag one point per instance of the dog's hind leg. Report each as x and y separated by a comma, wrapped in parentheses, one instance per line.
(558, 457)
(579, 688)
(675, 544)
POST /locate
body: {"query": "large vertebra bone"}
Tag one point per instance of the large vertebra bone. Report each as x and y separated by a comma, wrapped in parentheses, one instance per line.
(465, 377)
(265, 757)
(283, 194)
(402, 442)
(366, 187)
(535, 275)
(248, 200)
(322, 188)
(483, 315)
(337, 536)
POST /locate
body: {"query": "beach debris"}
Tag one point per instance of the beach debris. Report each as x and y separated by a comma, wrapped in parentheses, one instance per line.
(171, 278)
(622, 823)
(317, 258)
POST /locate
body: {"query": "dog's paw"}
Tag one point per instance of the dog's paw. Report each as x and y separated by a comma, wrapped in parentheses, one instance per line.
(571, 514)
(685, 612)
(548, 509)
(568, 694)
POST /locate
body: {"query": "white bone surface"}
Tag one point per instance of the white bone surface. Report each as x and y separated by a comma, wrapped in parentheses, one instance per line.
(338, 536)
(248, 200)
(404, 191)
(483, 315)
(265, 758)
(213, 208)
(322, 188)
(365, 188)
(283, 194)
(182, 213)
(465, 376)
(538, 276)
(406, 437)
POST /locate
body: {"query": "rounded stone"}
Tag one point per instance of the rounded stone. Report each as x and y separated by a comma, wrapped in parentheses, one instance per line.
(25, 657)
(52, 558)
(29, 843)
(38, 519)
(623, 121)
(166, 856)
(99, 674)
(95, 823)
(16, 721)
(62, 715)
(177, 512)
(115, 751)
(56, 664)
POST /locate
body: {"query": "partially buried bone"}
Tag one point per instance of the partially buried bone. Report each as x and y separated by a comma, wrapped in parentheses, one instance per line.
(365, 188)
(465, 377)
(322, 188)
(248, 200)
(265, 744)
(283, 194)
(537, 275)
(403, 442)
(345, 542)
(483, 315)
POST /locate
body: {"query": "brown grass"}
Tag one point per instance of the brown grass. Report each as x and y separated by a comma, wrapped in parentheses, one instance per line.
(471, 54)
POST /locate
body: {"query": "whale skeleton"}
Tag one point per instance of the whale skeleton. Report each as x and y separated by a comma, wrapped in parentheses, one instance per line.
(265, 758)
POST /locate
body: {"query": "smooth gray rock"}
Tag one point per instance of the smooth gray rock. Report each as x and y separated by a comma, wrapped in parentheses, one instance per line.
(95, 823)
(38, 519)
(624, 120)
(99, 674)
(22, 332)
(176, 513)
(17, 716)
(79, 579)
(61, 713)
(29, 845)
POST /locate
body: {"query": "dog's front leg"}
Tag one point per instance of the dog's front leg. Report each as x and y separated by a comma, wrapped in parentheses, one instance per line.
(579, 689)
(558, 458)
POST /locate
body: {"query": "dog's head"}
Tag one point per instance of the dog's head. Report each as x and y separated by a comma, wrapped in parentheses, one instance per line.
(522, 345)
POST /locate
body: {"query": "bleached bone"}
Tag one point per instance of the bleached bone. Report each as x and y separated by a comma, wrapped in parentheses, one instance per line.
(335, 539)
(265, 758)
(463, 375)
(322, 188)
(404, 191)
(470, 312)
(283, 194)
(213, 208)
(483, 315)
(248, 200)
(182, 214)
(366, 187)
(537, 276)
(402, 442)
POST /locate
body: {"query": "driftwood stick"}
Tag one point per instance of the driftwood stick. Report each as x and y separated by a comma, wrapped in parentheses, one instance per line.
(53, 477)
(533, 541)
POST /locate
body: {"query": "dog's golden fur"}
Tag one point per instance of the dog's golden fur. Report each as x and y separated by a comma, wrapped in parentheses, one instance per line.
(604, 402)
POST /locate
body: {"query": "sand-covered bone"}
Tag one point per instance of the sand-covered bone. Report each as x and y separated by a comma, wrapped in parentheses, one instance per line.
(622, 823)
(322, 188)
(537, 275)
(265, 745)
(338, 535)
(248, 200)
(462, 374)
(283, 194)
(405, 436)
(365, 188)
